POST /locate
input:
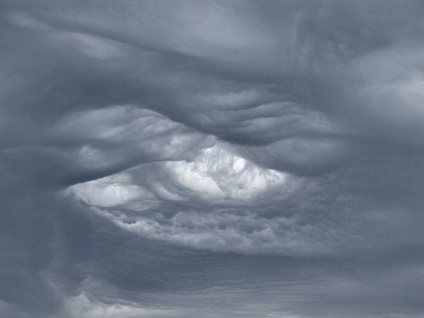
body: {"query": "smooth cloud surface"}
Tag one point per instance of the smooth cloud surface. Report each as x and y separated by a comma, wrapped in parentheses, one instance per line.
(211, 159)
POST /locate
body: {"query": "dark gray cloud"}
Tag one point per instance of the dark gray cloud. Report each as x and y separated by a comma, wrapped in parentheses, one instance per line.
(211, 158)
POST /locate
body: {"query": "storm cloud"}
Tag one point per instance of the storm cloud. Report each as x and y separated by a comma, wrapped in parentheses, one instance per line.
(211, 159)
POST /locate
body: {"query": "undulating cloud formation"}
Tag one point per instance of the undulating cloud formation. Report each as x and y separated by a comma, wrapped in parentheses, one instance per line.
(216, 159)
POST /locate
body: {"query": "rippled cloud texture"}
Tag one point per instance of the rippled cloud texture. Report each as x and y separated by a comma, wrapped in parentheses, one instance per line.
(214, 159)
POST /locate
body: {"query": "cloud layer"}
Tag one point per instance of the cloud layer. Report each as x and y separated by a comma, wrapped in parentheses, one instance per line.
(211, 158)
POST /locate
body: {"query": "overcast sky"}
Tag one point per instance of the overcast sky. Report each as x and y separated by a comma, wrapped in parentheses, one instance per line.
(214, 159)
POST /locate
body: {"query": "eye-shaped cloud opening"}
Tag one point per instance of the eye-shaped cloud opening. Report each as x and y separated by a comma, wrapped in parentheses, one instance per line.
(211, 159)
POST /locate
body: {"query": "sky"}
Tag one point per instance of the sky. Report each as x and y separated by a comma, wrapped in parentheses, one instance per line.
(216, 159)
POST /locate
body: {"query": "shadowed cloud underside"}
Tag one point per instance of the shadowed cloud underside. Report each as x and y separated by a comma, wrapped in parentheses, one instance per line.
(211, 159)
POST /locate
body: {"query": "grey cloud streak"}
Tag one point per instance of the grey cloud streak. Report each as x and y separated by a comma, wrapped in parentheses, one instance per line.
(211, 158)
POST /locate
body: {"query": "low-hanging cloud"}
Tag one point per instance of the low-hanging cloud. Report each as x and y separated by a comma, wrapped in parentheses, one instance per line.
(211, 158)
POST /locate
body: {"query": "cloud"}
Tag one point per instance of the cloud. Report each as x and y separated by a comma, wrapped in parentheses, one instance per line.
(211, 158)
(81, 306)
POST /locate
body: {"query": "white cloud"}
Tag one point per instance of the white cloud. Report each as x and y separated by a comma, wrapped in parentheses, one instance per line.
(82, 307)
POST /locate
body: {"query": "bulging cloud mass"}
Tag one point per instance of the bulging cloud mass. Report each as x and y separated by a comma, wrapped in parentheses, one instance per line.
(211, 159)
